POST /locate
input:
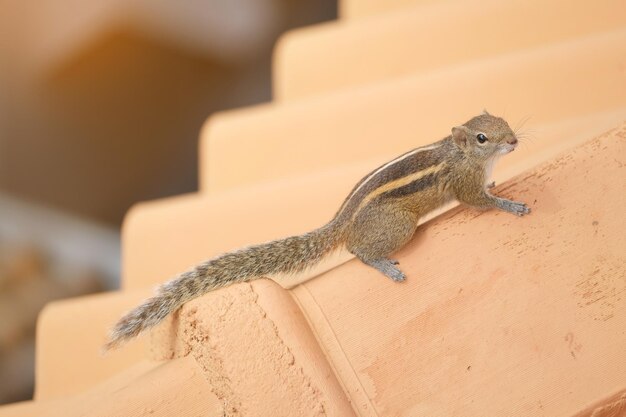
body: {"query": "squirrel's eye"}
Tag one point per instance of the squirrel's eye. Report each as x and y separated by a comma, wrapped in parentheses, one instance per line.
(481, 138)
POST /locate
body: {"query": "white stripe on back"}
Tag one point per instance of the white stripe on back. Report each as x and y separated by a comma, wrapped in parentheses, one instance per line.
(394, 161)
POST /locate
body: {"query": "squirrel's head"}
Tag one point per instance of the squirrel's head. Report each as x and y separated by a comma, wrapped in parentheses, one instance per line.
(485, 136)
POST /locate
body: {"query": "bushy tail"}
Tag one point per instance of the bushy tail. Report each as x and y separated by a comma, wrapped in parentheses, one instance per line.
(289, 255)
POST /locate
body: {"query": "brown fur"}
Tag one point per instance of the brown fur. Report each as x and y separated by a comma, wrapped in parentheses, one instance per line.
(377, 218)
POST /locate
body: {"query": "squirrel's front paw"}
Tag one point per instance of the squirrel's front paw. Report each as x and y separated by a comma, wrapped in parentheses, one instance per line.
(517, 208)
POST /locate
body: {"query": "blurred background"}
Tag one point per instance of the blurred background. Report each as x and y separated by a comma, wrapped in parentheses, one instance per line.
(101, 103)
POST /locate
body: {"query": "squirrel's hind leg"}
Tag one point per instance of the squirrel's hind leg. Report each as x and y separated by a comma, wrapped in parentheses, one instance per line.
(387, 267)
(377, 232)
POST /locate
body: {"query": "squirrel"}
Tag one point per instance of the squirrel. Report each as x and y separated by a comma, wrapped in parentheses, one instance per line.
(379, 216)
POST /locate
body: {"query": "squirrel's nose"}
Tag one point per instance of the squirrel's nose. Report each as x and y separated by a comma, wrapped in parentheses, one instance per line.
(512, 141)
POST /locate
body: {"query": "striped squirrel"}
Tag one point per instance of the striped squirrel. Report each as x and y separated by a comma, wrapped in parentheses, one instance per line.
(379, 216)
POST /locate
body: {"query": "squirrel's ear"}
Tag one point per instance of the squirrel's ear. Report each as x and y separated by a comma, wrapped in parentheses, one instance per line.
(459, 135)
(485, 112)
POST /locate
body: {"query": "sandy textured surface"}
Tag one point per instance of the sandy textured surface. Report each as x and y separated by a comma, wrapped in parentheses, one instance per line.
(257, 353)
(613, 406)
(419, 39)
(521, 316)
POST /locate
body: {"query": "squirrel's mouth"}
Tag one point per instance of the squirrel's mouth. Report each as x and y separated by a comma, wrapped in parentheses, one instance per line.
(507, 148)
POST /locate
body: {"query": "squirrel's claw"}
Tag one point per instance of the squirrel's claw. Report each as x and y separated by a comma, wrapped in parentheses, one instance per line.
(519, 209)
(514, 207)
